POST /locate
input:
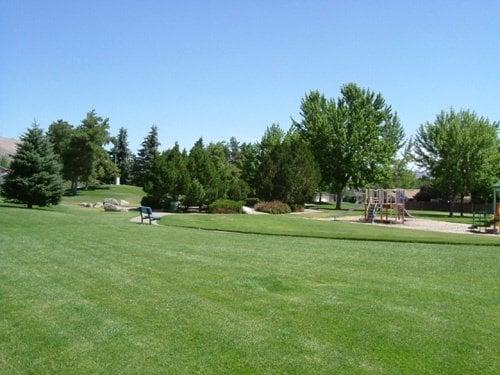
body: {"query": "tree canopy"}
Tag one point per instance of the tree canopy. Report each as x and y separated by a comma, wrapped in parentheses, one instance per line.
(354, 138)
(35, 178)
(143, 162)
(460, 150)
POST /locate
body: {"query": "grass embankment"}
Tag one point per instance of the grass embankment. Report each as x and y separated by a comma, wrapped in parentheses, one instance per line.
(290, 225)
(83, 291)
(131, 194)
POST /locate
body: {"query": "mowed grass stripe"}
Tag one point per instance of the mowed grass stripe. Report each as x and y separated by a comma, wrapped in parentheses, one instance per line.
(292, 226)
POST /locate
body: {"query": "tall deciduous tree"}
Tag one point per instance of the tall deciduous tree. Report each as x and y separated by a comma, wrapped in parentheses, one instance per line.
(460, 150)
(121, 155)
(145, 157)
(36, 173)
(59, 134)
(354, 138)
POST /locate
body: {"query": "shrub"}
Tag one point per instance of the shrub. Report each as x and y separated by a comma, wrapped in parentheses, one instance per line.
(273, 207)
(296, 207)
(251, 202)
(225, 206)
(150, 201)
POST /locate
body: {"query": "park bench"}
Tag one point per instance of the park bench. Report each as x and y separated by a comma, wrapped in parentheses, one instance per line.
(147, 214)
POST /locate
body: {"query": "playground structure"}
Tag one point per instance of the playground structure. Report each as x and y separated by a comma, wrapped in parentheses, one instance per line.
(385, 206)
(485, 222)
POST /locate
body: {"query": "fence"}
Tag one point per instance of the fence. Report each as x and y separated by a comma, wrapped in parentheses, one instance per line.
(444, 206)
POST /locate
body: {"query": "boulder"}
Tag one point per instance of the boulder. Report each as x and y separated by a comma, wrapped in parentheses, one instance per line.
(85, 204)
(113, 207)
(98, 205)
(124, 203)
(111, 201)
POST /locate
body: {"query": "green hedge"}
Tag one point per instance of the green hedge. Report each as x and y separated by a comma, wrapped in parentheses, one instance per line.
(273, 207)
(251, 202)
(225, 206)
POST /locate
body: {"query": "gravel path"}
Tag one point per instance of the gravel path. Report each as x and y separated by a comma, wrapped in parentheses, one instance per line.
(417, 224)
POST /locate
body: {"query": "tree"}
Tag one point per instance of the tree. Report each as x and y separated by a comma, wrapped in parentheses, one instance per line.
(203, 169)
(354, 138)
(36, 173)
(81, 150)
(169, 177)
(248, 165)
(299, 172)
(460, 150)
(269, 159)
(78, 159)
(4, 161)
(121, 155)
(59, 135)
(143, 162)
(400, 174)
(287, 170)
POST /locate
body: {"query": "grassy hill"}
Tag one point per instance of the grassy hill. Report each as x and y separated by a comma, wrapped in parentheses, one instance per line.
(132, 194)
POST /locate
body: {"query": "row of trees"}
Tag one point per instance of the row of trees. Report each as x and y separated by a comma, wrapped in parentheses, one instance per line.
(353, 141)
(461, 153)
(280, 167)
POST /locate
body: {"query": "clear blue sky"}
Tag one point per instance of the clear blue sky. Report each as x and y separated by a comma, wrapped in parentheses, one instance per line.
(222, 68)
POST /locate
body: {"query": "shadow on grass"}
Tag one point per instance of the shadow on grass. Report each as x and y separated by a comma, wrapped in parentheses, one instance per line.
(24, 207)
(440, 215)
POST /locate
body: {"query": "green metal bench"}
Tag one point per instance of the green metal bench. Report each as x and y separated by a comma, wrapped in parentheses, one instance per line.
(147, 214)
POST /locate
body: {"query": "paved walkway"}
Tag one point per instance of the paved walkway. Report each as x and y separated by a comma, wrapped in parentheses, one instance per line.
(137, 219)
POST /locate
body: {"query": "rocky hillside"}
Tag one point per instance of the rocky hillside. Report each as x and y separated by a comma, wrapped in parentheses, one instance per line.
(7, 146)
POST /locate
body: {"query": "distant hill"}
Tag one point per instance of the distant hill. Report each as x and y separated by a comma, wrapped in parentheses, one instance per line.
(7, 146)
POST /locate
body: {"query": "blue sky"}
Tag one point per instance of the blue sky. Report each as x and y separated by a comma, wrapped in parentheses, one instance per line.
(222, 68)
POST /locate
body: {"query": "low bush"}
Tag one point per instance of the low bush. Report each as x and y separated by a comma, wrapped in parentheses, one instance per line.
(251, 202)
(296, 207)
(150, 201)
(273, 207)
(225, 206)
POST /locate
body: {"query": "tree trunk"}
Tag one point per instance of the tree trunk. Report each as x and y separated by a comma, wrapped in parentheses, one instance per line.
(320, 196)
(74, 185)
(452, 207)
(30, 205)
(461, 205)
(338, 204)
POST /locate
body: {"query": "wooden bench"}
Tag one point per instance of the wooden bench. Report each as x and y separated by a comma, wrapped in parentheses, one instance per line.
(147, 214)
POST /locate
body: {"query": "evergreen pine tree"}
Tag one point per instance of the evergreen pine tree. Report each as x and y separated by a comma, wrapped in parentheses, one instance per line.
(145, 157)
(36, 173)
(121, 156)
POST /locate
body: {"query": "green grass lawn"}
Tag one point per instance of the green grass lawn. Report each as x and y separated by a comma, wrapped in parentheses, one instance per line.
(295, 225)
(132, 194)
(84, 291)
(443, 216)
